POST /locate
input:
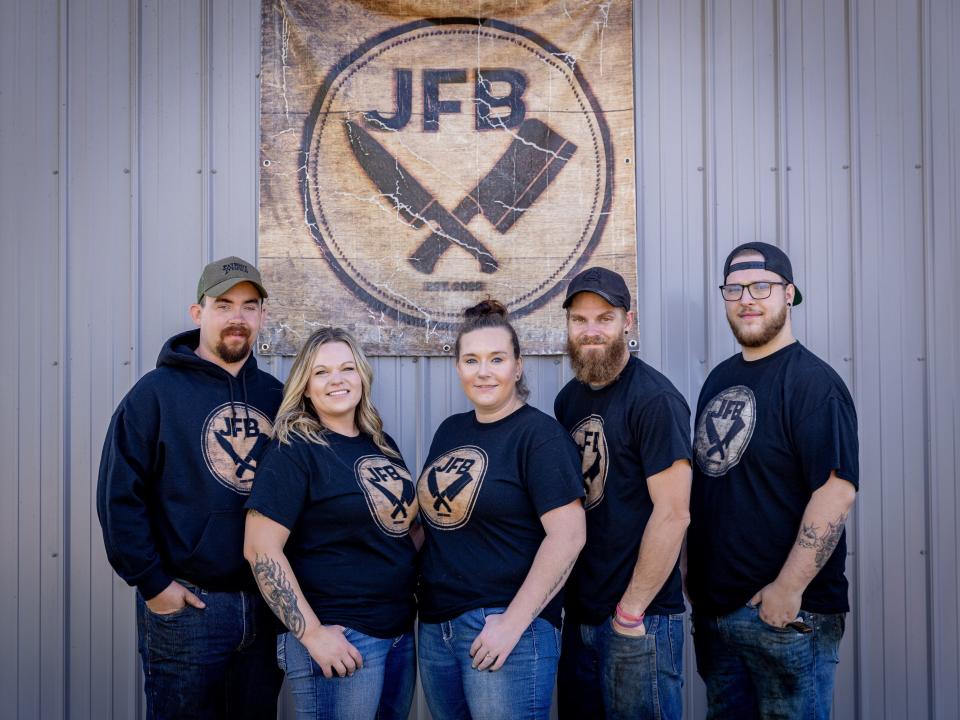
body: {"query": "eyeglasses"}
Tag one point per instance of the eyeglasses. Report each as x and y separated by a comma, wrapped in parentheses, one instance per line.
(757, 290)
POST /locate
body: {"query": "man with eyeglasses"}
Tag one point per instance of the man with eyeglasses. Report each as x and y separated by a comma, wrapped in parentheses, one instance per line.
(776, 474)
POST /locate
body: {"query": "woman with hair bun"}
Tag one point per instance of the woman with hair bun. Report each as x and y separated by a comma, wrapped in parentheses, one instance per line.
(500, 498)
(328, 538)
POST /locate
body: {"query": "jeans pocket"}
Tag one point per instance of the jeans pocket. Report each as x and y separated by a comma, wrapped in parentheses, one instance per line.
(167, 617)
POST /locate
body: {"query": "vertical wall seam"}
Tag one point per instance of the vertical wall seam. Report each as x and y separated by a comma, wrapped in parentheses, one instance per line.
(931, 494)
(856, 291)
(63, 78)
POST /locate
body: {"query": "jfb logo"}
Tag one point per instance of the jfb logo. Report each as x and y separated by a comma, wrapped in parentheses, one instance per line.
(724, 430)
(589, 437)
(390, 493)
(479, 145)
(234, 439)
(449, 486)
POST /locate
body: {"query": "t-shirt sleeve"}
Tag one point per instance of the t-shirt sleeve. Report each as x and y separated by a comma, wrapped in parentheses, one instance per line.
(826, 441)
(662, 432)
(280, 487)
(553, 473)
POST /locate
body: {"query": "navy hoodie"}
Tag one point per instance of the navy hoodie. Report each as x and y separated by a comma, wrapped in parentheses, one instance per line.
(177, 467)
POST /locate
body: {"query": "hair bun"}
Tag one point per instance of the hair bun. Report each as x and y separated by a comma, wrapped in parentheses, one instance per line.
(486, 307)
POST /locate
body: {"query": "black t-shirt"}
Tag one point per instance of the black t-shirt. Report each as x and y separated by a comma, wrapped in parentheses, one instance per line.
(627, 431)
(482, 492)
(348, 508)
(769, 433)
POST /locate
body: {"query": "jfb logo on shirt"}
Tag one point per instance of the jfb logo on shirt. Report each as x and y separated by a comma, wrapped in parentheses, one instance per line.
(234, 439)
(449, 486)
(724, 429)
(390, 493)
(589, 437)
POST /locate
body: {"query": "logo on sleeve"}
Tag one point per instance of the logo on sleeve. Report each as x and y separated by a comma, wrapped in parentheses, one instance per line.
(234, 443)
(589, 437)
(390, 493)
(724, 430)
(449, 486)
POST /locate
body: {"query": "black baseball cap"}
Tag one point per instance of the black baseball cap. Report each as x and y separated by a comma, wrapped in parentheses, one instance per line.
(221, 275)
(605, 283)
(774, 260)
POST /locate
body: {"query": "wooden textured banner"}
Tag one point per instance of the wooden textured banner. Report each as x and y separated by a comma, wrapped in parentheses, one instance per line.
(415, 160)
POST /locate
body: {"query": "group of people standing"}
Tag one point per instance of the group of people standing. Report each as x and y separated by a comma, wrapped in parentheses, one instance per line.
(531, 552)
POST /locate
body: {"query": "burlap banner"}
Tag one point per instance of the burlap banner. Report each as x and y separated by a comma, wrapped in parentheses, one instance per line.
(415, 161)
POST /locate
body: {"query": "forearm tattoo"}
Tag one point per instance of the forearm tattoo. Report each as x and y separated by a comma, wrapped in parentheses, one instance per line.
(278, 592)
(558, 583)
(809, 537)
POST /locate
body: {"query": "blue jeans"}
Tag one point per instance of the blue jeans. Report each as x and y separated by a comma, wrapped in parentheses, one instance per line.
(521, 689)
(607, 675)
(382, 688)
(212, 663)
(754, 670)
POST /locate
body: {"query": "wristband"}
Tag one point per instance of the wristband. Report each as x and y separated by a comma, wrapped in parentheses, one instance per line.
(628, 616)
(621, 623)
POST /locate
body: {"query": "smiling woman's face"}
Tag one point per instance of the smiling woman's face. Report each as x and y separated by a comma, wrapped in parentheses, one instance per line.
(335, 386)
(489, 372)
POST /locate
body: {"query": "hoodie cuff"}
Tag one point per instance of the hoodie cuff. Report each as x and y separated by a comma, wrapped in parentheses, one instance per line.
(153, 582)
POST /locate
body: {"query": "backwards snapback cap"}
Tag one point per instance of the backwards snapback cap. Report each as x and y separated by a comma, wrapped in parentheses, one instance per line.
(605, 283)
(774, 260)
(221, 275)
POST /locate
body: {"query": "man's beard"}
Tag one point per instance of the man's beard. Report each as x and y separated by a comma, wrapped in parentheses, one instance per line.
(597, 366)
(230, 354)
(767, 331)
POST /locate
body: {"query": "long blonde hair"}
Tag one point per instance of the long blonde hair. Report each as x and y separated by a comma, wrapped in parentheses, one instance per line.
(297, 417)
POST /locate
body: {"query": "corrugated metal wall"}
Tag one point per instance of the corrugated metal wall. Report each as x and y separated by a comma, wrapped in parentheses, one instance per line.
(128, 155)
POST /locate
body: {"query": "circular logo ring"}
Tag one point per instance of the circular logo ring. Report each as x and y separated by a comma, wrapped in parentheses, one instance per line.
(407, 312)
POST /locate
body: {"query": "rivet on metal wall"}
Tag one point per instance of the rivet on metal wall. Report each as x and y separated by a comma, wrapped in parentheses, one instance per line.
(126, 171)
(266, 163)
(213, 172)
(264, 347)
(632, 343)
(446, 348)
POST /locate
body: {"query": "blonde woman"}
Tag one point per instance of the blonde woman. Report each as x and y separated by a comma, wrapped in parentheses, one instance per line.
(328, 538)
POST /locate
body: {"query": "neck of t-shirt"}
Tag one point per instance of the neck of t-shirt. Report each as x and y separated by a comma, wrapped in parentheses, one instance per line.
(601, 386)
(782, 350)
(781, 341)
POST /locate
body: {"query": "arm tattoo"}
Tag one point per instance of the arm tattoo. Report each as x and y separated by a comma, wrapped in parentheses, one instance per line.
(825, 544)
(554, 589)
(278, 592)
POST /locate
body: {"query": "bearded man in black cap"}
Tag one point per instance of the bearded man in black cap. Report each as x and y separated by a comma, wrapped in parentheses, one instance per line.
(776, 474)
(623, 632)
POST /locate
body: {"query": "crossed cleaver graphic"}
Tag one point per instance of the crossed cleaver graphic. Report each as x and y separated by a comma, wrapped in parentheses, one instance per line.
(531, 162)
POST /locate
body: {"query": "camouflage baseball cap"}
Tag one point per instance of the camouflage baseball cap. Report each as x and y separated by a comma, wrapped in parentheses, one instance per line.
(221, 275)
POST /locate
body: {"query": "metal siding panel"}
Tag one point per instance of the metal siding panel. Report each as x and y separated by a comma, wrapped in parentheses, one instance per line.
(671, 202)
(890, 383)
(102, 661)
(173, 172)
(32, 669)
(941, 27)
(234, 66)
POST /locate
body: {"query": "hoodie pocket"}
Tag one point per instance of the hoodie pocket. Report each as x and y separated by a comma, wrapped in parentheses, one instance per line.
(219, 551)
